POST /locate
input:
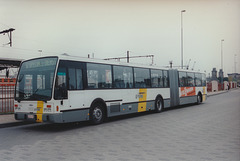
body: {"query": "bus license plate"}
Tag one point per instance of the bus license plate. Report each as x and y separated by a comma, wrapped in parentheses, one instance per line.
(31, 116)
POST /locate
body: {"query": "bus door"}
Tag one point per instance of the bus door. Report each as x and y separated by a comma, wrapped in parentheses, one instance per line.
(75, 75)
(174, 91)
(60, 89)
(69, 84)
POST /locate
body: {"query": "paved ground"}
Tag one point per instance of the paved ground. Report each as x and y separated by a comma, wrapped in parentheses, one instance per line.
(206, 132)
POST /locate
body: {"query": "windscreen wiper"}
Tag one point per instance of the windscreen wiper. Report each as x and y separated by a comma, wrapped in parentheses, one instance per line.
(38, 97)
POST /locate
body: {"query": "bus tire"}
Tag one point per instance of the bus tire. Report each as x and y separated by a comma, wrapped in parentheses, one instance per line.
(97, 113)
(199, 98)
(159, 104)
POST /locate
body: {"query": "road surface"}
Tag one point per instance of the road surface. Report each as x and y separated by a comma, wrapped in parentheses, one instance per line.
(205, 132)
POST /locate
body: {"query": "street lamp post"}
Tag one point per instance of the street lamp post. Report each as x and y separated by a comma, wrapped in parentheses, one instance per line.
(182, 37)
(222, 53)
(222, 62)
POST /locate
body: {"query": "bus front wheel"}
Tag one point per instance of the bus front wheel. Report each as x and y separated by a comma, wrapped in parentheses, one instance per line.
(97, 113)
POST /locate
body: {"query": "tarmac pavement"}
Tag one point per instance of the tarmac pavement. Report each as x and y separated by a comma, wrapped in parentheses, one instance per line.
(8, 120)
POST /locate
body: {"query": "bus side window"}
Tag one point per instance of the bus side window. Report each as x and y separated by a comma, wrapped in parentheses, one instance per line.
(204, 80)
(165, 78)
(142, 78)
(72, 78)
(99, 76)
(61, 84)
(75, 79)
(198, 79)
(157, 78)
(123, 77)
(79, 78)
(182, 79)
(190, 79)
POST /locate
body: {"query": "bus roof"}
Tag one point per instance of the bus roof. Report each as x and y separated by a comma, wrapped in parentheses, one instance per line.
(112, 62)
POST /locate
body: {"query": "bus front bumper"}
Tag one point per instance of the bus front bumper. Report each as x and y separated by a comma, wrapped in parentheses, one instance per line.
(63, 117)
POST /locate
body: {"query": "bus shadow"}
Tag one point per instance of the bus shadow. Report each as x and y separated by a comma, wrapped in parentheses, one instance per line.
(135, 115)
(181, 107)
(53, 127)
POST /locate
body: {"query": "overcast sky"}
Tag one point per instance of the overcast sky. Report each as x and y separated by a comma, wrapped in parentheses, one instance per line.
(109, 28)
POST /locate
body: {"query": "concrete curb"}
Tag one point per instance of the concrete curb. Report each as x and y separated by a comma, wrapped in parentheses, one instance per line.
(12, 124)
(8, 120)
(221, 92)
(214, 94)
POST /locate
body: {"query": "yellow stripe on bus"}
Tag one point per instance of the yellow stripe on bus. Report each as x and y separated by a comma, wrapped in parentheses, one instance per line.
(204, 94)
(39, 111)
(142, 99)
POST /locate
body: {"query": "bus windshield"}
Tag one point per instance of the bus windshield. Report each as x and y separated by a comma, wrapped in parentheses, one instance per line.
(35, 79)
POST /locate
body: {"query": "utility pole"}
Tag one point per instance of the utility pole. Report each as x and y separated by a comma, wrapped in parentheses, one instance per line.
(188, 64)
(9, 32)
(171, 63)
(222, 62)
(222, 53)
(193, 65)
(127, 56)
(182, 37)
(235, 63)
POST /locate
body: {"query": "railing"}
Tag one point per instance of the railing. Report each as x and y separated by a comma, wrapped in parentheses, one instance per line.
(219, 87)
(209, 87)
(7, 87)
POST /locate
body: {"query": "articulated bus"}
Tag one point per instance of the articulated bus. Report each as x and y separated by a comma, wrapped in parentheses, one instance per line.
(61, 89)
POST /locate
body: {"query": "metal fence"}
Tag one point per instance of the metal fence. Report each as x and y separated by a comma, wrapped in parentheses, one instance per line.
(7, 87)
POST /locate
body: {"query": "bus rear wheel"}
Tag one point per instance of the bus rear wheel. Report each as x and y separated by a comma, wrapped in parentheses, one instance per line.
(97, 113)
(199, 98)
(158, 105)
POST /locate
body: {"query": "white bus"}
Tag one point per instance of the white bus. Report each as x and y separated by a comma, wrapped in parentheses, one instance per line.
(71, 89)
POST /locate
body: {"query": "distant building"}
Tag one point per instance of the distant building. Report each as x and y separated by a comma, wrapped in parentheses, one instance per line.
(12, 73)
(220, 75)
(234, 77)
(214, 74)
(9, 67)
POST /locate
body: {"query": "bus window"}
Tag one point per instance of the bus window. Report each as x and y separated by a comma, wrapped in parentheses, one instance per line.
(165, 78)
(198, 79)
(61, 84)
(41, 81)
(190, 80)
(99, 75)
(79, 78)
(142, 78)
(157, 78)
(182, 79)
(28, 87)
(123, 77)
(204, 80)
(72, 79)
(75, 79)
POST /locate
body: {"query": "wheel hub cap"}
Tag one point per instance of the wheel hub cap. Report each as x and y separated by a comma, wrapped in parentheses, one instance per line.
(97, 113)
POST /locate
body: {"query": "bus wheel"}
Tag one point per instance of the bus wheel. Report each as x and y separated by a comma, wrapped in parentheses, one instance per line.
(158, 104)
(199, 98)
(97, 114)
